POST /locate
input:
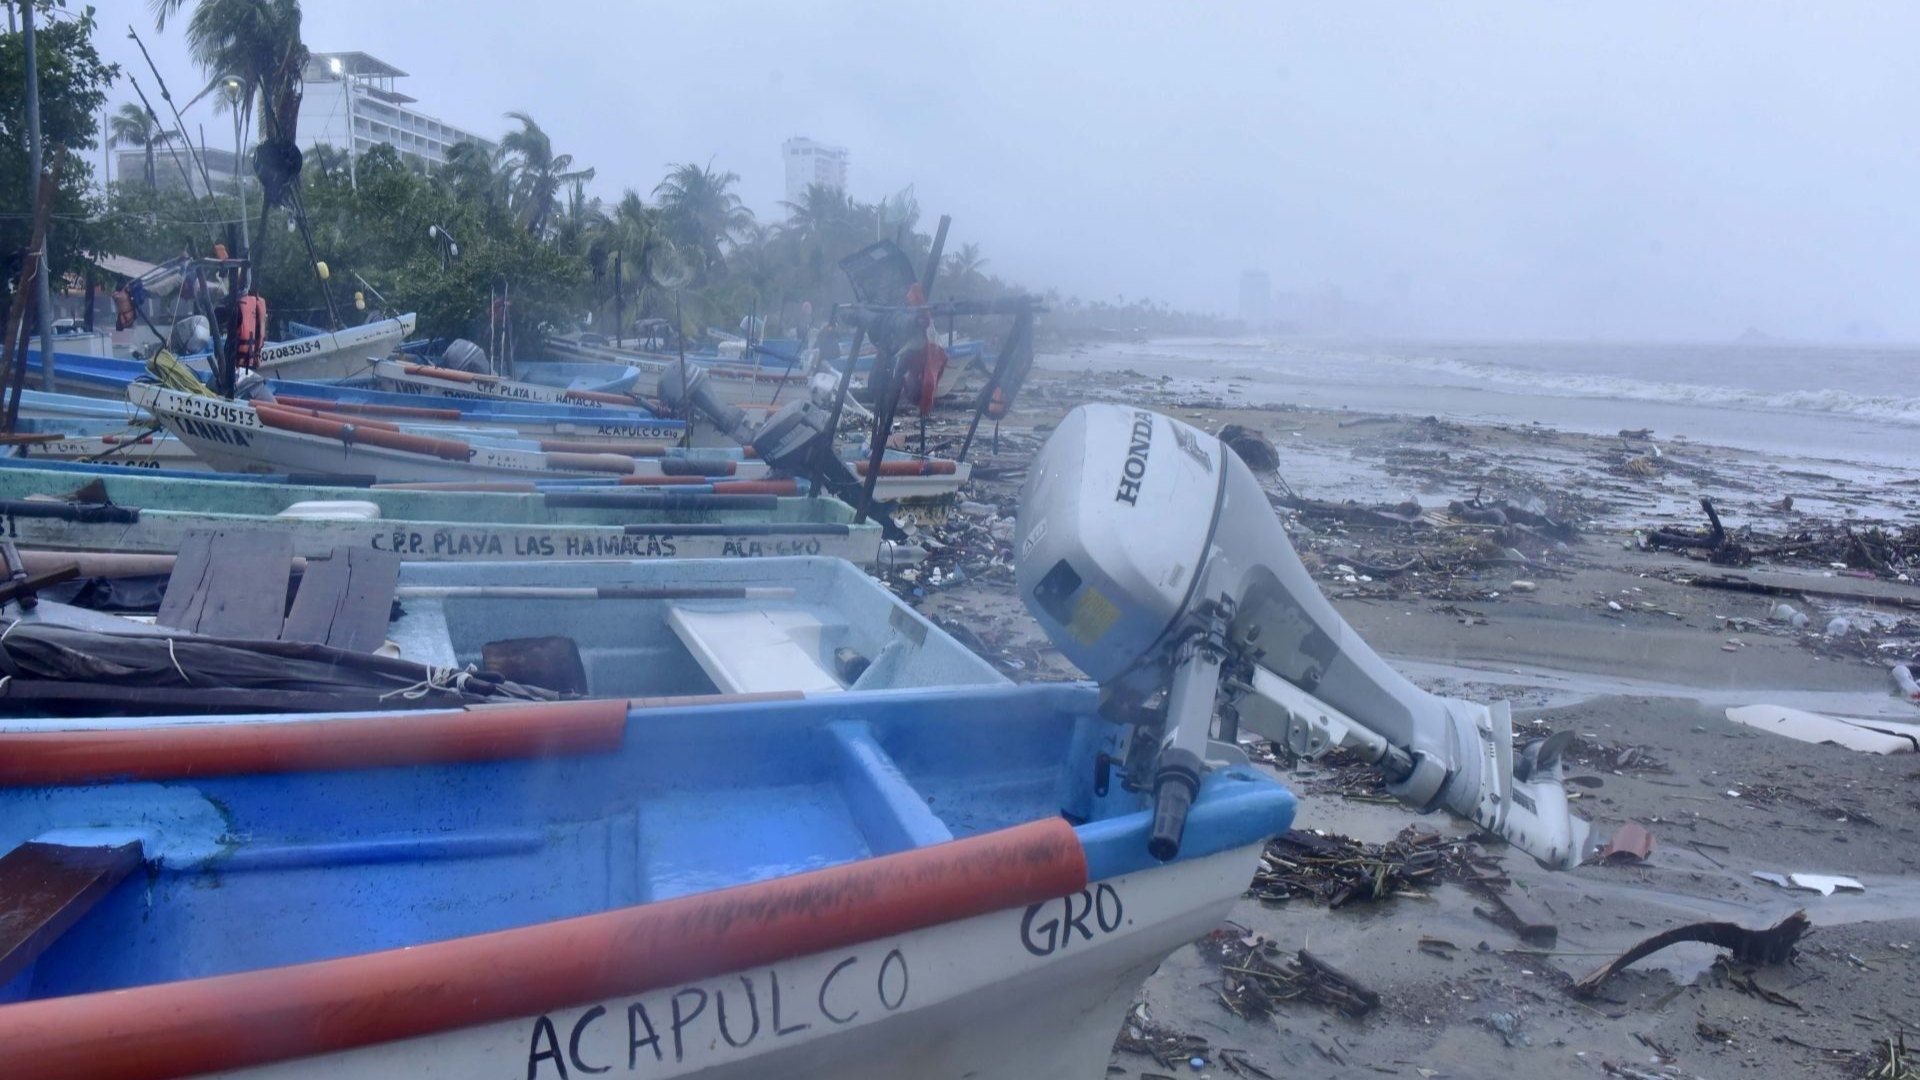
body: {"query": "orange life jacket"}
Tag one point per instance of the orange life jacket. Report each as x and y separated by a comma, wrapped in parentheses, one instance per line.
(251, 334)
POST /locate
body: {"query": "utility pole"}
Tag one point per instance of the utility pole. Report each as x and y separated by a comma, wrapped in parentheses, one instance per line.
(239, 174)
(353, 136)
(43, 298)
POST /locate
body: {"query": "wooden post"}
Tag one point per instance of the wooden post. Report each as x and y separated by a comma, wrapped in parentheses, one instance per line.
(13, 351)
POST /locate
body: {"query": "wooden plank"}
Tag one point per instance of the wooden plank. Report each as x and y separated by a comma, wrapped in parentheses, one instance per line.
(46, 888)
(236, 584)
(185, 597)
(345, 600)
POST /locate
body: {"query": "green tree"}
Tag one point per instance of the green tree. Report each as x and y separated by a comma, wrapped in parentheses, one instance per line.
(256, 41)
(539, 174)
(701, 214)
(73, 84)
(133, 125)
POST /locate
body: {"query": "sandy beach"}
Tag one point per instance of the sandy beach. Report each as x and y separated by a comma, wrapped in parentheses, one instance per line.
(1595, 634)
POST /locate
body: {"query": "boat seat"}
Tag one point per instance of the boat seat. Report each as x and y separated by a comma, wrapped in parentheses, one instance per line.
(229, 583)
(46, 888)
(747, 652)
(332, 510)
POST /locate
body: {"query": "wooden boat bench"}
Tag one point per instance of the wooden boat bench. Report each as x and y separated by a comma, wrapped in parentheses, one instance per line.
(46, 888)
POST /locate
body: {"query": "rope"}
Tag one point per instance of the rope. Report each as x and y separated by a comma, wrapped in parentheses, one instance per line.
(176, 663)
(439, 680)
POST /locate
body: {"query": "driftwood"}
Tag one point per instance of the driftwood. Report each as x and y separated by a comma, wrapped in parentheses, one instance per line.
(1770, 946)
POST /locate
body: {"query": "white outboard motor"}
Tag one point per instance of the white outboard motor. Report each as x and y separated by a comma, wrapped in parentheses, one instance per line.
(189, 336)
(1149, 553)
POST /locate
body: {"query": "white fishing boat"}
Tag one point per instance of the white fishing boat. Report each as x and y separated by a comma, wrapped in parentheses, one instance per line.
(335, 354)
(259, 436)
(266, 436)
(326, 355)
(404, 377)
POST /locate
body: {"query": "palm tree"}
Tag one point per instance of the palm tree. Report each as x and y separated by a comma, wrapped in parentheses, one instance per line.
(478, 172)
(963, 264)
(257, 41)
(701, 212)
(539, 173)
(135, 126)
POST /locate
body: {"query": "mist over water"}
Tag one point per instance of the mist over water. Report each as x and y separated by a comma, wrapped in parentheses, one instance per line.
(1832, 403)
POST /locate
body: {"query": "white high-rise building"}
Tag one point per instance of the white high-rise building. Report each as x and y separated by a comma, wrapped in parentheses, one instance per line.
(351, 91)
(809, 162)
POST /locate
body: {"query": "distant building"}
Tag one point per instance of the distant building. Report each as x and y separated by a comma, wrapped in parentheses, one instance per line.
(1256, 298)
(130, 167)
(809, 162)
(353, 92)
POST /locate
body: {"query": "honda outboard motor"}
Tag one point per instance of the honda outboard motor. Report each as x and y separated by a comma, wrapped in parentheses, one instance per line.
(190, 335)
(463, 355)
(1149, 553)
(693, 395)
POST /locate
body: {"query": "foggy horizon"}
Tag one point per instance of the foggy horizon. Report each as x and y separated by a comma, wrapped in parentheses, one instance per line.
(1639, 173)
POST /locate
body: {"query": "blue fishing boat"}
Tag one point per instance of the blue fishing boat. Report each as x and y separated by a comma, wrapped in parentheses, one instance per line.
(903, 883)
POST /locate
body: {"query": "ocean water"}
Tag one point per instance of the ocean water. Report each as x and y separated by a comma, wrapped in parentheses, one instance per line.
(1835, 404)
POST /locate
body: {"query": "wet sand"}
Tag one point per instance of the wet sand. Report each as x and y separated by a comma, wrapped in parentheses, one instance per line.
(1609, 644)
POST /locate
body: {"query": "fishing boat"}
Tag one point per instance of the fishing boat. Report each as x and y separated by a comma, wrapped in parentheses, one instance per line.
(242, 436)
(135, 510)
(736, 383)
(605, 378)
(327, 354)
(901, 883)
(405, 377)
(628, 629)
(271, 435)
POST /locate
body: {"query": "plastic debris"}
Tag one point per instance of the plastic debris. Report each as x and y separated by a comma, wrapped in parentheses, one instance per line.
(1903, 678)
(1631, 843)
(1507, 1025)
(1824, 884)
(1810, 727)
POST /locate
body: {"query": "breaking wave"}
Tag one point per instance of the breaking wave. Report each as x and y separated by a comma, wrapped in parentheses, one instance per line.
(1883, 407)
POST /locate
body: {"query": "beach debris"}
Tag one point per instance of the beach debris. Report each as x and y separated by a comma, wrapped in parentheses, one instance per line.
(1258, 976)
(1714, 542)
(1890, 1060)
(1824, 884)
(1166, 1046)
(1784, 612)
(1903, 678)
(1630, 843)
(1772, 945)
(1339, 870)
(1529, 919)
(1810, 727)
(1252, 445)
(1507, 1026)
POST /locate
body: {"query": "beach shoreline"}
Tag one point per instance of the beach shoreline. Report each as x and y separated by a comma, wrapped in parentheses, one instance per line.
(1599, 636)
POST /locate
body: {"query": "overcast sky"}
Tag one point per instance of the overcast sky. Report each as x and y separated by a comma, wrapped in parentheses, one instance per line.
(1615, 170)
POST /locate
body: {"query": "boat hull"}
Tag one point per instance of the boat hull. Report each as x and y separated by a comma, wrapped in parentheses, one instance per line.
(1028, 992)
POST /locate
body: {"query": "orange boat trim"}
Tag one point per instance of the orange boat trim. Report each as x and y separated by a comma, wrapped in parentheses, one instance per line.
(197, 1026)
(545, 729)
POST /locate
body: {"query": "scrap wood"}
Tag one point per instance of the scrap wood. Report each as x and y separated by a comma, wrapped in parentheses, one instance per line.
(1263, 978)
(1770, 946)
(1892, 1061)
(1525, 916)
(1339, 870)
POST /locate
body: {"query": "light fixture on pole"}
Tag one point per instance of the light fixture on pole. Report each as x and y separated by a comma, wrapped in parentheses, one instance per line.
(450, 248)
